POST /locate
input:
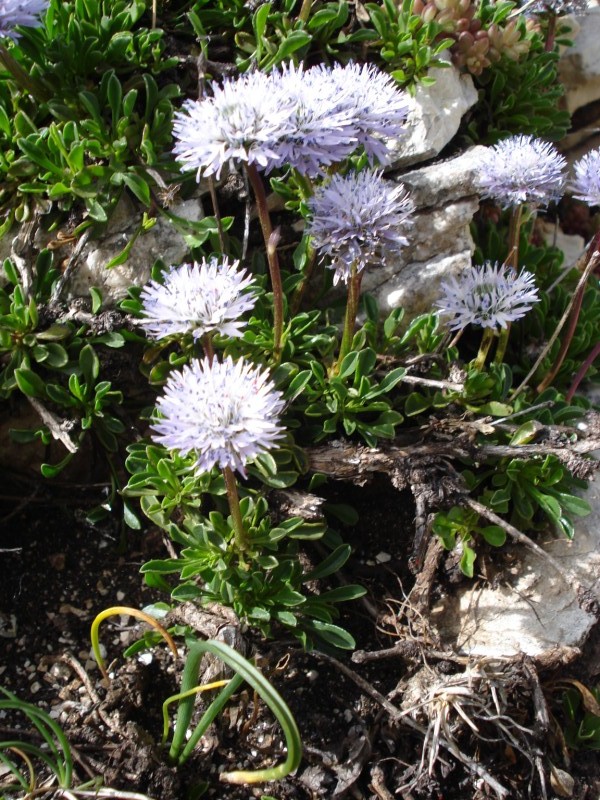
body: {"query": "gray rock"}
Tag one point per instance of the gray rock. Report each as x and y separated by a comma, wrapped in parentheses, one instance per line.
(579, 67)
(445, 195)
(534, 611)
(162, 241)
(436, 113)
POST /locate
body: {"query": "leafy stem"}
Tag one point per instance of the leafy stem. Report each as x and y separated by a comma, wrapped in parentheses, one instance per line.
(269, 237)
(239, 531)
(354, 282)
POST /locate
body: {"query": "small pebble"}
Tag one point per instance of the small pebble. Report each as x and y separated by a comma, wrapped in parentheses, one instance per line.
(35, 687)
(120, 595)
(312, 675)
(382, 557)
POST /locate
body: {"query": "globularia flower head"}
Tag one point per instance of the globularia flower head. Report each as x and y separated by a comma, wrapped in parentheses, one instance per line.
(226, 413)
(242, 121)
(198, 299)
(379, 108)
(20, 12)
(321, 132)
(522, 169)
(586, 185)
(306, 119)
(491, 296)
(357, 219)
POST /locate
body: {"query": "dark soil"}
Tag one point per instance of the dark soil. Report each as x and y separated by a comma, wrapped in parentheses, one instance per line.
(59, 572)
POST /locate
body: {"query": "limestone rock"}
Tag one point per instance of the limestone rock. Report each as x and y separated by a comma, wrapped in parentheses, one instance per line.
(445, 196)
(579, 67)
(535, 611)
(162, 241)
(436, 113)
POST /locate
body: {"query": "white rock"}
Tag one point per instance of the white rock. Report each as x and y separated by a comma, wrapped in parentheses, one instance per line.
(536, 611)
(162, 241)
(579, 67)
(445, 195)
(436, 113)
(572, 246)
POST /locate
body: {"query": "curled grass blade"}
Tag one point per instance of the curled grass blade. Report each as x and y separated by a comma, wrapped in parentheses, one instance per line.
(245, 671)
(133, 612)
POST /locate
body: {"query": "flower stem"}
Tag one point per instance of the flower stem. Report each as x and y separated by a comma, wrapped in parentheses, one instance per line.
(484, 348)
(351, 311)
(272, 257)
(24, 80)
(241, 537)
(207, 345)
(550, 31)
(298, 296)
(502, 344)
(305, 10)
(573, 319)
(514, 232)
(581, 372)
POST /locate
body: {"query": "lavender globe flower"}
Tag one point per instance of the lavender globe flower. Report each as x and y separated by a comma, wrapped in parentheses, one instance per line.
(491, 296)
(379, 108)
(522, 169)
(586, 185)
(20, 12)
(306, 119)
(358, 219)
(225, 413)
(242, 121)
(322, 131)
(198, 298)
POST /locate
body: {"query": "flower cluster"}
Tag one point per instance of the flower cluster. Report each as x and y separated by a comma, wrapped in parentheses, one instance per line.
(198, 298)
(586, 186)
(522, 169)
(357, 219)
(20, 12)
(307, 119)
(225, 413)
(491, 296)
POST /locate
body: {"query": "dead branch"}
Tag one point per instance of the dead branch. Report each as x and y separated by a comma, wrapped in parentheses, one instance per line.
(357, 463)
(399, 716)
(56, 426)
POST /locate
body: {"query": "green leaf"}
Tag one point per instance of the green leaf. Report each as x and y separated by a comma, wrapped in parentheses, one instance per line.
(416, 403)
(138, 186)
(332, 634)
(29, 383)
(294, 41)
(259, 21)
(89, 364)
(494, 535)
(467, 560)
(329, 565)
(96, 295)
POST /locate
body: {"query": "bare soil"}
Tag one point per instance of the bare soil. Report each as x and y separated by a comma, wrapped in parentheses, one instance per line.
(59, 572)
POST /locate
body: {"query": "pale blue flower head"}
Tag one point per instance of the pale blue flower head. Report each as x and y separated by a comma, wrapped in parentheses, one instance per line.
(357, 219)
(242, 121)
(20, 12)
(379, 108)
(306, 119)
(199, 298)
(586, 185)
(522, 169)
(322, 131)
(226, 413)
(490, 296)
